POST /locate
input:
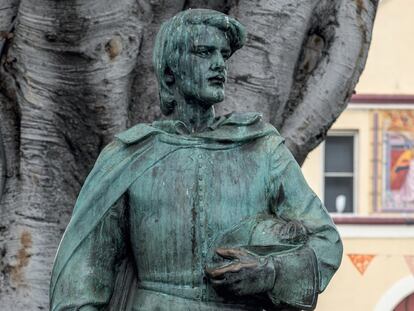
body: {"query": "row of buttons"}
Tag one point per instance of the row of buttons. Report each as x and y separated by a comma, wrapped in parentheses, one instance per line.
(202, 215)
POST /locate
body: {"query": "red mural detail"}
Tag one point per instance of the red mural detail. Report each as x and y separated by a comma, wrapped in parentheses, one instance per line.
(400, 165)
(361, 261)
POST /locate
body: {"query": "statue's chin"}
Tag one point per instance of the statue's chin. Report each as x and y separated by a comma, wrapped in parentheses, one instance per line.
(211, 101)
(217, 97)
(209, 104)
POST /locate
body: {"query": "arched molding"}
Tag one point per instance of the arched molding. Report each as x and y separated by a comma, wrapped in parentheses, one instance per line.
(396, 294)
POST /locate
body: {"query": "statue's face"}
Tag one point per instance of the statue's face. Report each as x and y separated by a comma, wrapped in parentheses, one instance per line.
(202, 70)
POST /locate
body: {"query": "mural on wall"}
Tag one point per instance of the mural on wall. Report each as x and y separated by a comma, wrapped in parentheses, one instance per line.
(398, 135)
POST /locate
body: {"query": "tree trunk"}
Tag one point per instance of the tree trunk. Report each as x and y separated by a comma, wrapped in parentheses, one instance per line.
(74, 73)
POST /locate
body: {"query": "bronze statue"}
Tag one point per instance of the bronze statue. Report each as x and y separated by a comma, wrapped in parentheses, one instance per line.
(198, 212)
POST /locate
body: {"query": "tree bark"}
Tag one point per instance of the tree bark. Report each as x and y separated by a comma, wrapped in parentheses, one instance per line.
(74, 73)
(327, 89)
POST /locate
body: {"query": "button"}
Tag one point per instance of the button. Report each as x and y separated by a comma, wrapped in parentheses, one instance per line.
(200, 178)
(200, 156)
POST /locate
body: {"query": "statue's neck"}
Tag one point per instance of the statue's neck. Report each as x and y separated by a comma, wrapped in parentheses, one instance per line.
(196, 117)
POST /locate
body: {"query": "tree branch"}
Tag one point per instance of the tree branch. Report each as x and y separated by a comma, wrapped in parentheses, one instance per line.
(331, 84)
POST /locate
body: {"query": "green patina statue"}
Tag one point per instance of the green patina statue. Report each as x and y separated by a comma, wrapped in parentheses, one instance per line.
(199, 212)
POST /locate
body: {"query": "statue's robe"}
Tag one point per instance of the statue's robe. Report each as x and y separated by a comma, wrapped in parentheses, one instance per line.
(158, 197)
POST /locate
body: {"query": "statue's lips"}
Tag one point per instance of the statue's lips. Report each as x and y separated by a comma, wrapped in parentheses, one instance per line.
(217, 80)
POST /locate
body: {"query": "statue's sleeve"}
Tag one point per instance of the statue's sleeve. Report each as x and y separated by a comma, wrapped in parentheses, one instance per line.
(301, 274)
(87, 281)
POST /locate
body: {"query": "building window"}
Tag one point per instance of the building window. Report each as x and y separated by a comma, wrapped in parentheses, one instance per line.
(339, 176)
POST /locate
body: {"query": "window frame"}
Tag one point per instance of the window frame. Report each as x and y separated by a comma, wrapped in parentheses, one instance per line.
(344, 133)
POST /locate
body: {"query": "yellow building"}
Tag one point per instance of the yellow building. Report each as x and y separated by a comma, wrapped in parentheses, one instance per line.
(365, 174)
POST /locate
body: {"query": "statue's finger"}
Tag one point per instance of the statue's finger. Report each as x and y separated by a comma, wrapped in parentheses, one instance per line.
(228, 280)
(218, 282)
(218, 273)
(231, 253)
(231, 281)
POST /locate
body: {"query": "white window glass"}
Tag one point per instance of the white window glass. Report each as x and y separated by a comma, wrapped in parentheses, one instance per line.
(339, 173)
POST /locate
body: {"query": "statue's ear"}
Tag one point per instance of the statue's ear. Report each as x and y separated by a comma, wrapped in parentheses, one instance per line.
(169, 78)
(167, 99)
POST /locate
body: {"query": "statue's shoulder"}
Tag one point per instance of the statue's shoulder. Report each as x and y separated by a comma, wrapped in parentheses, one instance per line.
(137, 133)
(254, 120)
(274, 140)
(119, 148)
(250, 119)
(242, 118)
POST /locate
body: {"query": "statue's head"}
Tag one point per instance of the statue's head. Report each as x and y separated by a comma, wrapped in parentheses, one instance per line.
(190, 55)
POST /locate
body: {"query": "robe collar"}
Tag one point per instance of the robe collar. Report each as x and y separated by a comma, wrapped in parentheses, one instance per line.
(230, 128)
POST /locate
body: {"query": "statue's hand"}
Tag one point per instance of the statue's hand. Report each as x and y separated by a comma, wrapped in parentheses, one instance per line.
(246, 274)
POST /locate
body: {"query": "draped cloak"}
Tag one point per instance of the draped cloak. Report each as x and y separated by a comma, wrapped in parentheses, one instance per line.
(136, 151)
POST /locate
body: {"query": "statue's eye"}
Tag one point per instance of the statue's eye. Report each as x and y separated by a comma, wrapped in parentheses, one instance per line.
(202, 51)
(226, 55)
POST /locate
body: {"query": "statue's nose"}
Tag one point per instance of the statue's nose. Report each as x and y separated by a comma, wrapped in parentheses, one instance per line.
(218, 62)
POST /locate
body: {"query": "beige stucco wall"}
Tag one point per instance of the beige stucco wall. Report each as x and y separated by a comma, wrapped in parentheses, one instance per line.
(390, 65)
(349, 290)
(312, 169)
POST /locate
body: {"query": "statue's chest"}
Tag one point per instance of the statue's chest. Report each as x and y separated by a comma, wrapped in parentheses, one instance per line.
(215, 187)
(187, 200)
(184, 203)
